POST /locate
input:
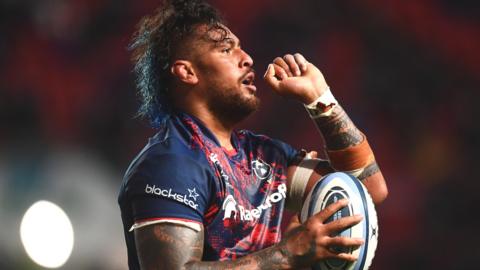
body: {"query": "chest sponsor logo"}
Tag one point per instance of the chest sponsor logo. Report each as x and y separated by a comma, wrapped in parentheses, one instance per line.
(168, 193)
(233, 210)
(262, 170)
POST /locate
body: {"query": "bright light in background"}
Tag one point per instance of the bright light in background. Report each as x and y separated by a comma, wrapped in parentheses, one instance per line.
(47, 234)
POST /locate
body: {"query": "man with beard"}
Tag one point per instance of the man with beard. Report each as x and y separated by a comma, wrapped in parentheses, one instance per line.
(203, 196)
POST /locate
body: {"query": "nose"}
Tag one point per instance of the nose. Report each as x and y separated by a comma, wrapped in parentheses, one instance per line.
(246, 60)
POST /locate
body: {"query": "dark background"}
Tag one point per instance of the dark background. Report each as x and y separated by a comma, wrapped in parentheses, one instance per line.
(406, 71)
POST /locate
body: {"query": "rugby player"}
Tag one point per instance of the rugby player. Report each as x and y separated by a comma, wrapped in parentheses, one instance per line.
(202, 195)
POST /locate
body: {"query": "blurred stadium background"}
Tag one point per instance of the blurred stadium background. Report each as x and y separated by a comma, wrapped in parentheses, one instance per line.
(406, 71)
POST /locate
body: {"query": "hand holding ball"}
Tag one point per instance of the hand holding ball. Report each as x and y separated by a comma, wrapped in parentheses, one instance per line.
(330, 189)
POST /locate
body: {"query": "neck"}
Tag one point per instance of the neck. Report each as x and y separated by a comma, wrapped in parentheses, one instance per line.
(222, 131)
(221, 128)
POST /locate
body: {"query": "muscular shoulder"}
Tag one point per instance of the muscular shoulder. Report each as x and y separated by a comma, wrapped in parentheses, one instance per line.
(169, 163)
(166, 153)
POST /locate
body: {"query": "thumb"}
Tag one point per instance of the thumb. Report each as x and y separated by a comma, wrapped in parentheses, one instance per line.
(270, 78)
(294, 223)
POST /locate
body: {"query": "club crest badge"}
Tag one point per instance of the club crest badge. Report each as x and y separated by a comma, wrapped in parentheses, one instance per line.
(262, 170)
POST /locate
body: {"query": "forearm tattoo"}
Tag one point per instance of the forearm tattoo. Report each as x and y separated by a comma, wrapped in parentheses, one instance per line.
(338, 130)
(297, 261)
(270, 258)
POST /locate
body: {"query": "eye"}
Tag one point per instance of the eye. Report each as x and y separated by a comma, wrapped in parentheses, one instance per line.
(227, 50)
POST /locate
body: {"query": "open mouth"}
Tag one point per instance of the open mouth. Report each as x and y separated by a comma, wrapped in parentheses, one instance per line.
(249, 79)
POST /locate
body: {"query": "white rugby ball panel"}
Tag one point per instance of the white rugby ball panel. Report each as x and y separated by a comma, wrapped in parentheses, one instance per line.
(332, 188)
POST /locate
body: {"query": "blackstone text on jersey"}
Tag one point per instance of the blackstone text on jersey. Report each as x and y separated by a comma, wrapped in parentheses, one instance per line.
(171, 195)
(231, 208)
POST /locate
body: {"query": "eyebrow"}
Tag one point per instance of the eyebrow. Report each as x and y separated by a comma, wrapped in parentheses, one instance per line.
(231, 41)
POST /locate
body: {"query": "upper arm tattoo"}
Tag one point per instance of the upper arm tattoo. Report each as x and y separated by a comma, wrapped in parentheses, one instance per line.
(168, 246)
(171, 246)
(338, 130)
(369, 171)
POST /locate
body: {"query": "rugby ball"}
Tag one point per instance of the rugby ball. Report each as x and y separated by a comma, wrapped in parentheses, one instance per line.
(330, 189)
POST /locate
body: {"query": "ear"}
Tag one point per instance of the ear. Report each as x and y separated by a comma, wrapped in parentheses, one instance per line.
(184, 71)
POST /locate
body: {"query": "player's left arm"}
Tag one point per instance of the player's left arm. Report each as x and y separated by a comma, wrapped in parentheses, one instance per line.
(347, 147)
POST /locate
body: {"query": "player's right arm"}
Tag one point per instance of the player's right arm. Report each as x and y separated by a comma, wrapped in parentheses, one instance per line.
(173, 246)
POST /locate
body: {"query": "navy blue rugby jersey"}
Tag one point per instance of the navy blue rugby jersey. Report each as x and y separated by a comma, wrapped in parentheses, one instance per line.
(184, 174)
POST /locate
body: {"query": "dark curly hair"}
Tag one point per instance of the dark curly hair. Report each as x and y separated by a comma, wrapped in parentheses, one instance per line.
(155, 43)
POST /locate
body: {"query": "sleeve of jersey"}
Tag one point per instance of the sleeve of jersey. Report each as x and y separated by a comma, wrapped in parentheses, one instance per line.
(169, 188)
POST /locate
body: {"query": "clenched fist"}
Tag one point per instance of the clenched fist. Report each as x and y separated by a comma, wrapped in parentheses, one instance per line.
(294, 77)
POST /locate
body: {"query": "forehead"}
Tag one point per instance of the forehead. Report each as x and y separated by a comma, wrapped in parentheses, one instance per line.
(216, 35)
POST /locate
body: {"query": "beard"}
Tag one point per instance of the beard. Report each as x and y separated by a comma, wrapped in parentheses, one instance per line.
(231, 106)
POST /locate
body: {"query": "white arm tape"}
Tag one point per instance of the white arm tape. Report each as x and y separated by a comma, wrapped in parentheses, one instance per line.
(190, 224)
(300, 179)
(356, 172)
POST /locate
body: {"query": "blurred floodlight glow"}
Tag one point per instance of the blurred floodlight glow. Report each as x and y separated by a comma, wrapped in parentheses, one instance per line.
(47, 234)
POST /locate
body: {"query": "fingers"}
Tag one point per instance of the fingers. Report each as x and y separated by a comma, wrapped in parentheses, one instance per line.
(293, 65)
(343, 223)
(301, 61)
(312, 154)
(273, 75)
(345, 256)
(331, 209)
(281, 63)
(339, 247)
(295, 219)
(339, 224)
(344, 241)
(280, 73)
(330, 254)
(294, 223)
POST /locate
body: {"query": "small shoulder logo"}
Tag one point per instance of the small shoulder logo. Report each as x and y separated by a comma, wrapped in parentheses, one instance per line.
(192, 193)
(262, 170)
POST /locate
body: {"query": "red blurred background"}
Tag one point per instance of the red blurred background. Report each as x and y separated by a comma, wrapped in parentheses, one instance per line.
(406, 71)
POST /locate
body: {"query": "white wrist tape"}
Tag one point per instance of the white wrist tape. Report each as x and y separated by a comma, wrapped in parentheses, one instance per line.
(326, 100)
(300, 180)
